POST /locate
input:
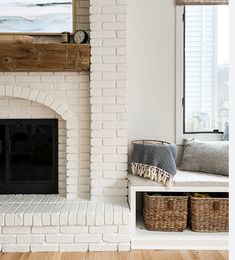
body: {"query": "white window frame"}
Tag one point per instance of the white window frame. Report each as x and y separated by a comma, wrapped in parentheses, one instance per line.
(180, 136)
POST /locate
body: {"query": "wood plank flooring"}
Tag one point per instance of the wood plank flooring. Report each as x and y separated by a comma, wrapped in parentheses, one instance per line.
(133, 255)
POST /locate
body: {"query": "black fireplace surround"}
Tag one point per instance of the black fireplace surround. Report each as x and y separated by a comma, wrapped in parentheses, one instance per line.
(28, 156)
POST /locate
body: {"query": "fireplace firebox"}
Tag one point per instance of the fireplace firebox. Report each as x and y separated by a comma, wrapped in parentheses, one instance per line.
(28, 156)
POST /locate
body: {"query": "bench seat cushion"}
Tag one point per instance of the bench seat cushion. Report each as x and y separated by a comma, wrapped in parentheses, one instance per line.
(185, 178)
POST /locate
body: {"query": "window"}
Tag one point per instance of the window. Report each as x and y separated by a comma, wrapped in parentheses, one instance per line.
(205, 72)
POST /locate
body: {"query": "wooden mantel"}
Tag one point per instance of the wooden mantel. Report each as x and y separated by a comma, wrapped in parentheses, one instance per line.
(44, 57)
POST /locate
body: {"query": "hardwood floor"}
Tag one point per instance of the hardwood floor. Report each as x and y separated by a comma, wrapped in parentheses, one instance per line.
(133, 255)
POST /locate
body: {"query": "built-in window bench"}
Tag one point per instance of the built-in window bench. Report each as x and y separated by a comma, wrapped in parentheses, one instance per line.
(54, 223)
(184, 181)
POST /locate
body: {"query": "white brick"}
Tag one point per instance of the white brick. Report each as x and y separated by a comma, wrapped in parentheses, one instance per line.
(96, 191)
(116, 238)
(103, 84)
(73, 247)
(95, 26)
(114, 9)
(103, 117)
(99, 216)
(26, 79)
(113, 59)
(54, 79)
(121, 2)
(44, 248)
(101, 2)
(74, 207)
(91, 209)
(81, 215)
(117, 214)
(115, 158)
(88, 238)
(115, 141)
(103, 133)
(55, 214)
(103, 100)
(103, 229)
(30, 239)
(113, 75)
(7, 79)
(103, 166)
(102, 150)
(114, 92)
(9, 90)
(121, 166)
(114, 42)
(37, 215)
(115, 191)
(15, 248)
(59, 238)
(17, 91)
(7, 239)
(33, 94)
(64, 214)
(74, 229)
(126, 216)
(46, 220)
(16, 230)
(95, 9)
(124, 247)
(115, 175)
(103, 50)
(102, 35)
(115, 125)
(115, 26)
(103, 247)
(45, 230)
(28, 214)
(114, 108)
(122, 149)
(124, 229)
(108, 213)
(102, 18)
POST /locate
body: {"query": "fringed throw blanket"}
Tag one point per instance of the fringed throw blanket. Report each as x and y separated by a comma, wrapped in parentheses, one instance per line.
(154, 161)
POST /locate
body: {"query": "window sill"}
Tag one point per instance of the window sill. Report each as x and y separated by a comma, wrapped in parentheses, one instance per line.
(200, 136)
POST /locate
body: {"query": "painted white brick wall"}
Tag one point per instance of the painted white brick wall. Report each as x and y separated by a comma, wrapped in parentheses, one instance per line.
(66, 94)
(108, 100)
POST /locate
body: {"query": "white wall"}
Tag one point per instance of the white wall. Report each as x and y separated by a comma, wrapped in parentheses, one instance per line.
(151, 69)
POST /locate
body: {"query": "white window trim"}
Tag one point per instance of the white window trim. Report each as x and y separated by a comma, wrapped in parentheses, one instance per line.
(180, 136)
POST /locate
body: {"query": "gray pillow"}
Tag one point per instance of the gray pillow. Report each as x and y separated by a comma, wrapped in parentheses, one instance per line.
(210, 157)
(226, 132)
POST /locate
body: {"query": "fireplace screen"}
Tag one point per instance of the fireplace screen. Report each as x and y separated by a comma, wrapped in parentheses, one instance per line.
(28, 156)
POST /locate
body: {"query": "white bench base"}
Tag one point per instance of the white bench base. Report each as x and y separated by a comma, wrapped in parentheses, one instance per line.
(186, 240)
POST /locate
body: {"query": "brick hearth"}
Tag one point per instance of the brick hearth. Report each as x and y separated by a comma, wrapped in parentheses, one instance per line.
(54, 223)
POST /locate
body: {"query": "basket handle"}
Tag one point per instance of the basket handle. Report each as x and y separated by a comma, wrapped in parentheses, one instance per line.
(216, 205)
(150, 140)
(170, 204)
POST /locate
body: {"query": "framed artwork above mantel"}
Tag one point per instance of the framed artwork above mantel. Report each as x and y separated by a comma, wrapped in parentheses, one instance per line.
(42, 17)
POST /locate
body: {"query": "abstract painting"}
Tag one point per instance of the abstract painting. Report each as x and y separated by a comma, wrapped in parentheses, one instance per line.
(36, 16)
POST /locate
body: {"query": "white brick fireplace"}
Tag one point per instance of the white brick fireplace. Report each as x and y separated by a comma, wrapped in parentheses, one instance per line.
(91, 211)
(57, 98)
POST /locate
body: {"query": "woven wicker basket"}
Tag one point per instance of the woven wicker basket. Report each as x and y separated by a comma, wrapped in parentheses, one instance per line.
(165, 213)
(209, 214)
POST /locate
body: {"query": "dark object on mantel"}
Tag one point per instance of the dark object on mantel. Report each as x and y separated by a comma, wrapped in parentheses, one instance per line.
(65, 37)
(44, 57)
